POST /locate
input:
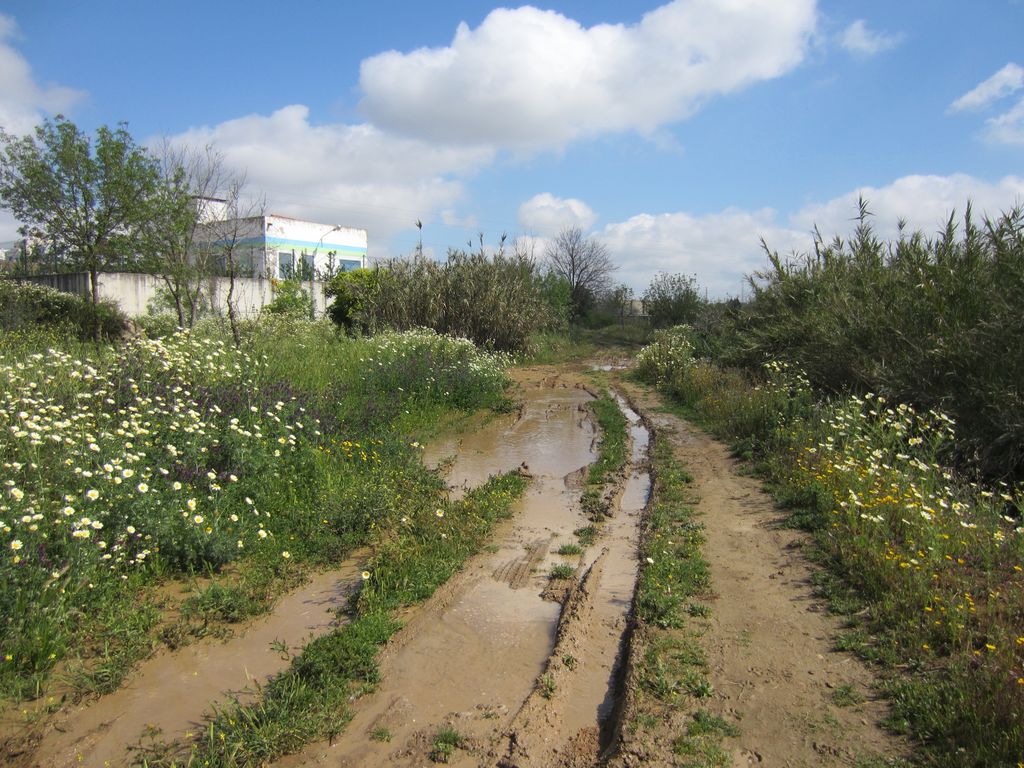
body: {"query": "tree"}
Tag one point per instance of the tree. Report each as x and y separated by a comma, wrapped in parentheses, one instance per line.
(672, 300)
(222, 241)
(86, 198)
(185, 200)
(620, 300)
(584, 263)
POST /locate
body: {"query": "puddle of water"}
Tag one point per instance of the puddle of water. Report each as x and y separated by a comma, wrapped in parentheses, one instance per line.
(595, 692)
(481, 645)
(639, 436)
(171, 692)
(552, 435)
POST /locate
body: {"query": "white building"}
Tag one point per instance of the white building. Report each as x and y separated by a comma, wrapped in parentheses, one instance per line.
(282, 247)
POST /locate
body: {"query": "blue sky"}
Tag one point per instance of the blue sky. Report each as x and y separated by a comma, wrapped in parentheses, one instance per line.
(679, 133)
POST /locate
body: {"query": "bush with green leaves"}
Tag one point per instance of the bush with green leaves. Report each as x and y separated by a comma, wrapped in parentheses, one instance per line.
(290, 298)
(669, 354)
(352, 291)
(931, 322)
(497, 301)
(23, 305)
(672, 300)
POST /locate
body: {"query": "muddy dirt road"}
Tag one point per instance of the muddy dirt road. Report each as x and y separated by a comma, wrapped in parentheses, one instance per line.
(169, 694)
(530, 671)
(488, 655)
(768, 640)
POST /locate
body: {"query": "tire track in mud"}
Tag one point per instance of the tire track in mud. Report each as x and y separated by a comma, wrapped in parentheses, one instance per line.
(572, 718)
(168, 695)
(516, 573)
(471, 657)
(770, 654)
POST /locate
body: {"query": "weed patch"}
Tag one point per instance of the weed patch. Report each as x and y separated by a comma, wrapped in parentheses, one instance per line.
(931, 562)
(672, 672)
(444, 745)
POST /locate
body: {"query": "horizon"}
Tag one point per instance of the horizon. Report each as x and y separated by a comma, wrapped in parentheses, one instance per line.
(678, 134)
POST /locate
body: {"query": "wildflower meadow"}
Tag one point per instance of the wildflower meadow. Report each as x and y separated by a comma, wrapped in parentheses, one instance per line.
(931, 563)
(167, 458)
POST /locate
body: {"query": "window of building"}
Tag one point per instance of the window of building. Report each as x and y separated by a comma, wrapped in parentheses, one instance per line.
(286, 265)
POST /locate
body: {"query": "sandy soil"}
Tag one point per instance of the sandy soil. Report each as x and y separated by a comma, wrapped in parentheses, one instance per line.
(768, 640)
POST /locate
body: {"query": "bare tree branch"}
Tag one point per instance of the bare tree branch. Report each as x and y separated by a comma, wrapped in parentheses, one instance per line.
(584, 263)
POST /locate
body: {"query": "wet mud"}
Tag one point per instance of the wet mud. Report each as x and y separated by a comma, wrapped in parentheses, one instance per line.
(167, 696)
(572, 718)
(527, 669)
(486, 655)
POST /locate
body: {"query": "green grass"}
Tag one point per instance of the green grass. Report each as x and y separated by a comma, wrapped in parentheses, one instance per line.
(587, 535)
(672, 671)
(847, 695)
(704, 723)
(310, 699)
(612, 446)
(548, 348)
(247, 467)
(675, 569)
(562, 571)
(445, 742)
(546, 685)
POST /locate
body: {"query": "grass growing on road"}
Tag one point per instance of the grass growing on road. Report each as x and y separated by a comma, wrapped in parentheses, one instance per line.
(930, 562)
(611, 457)
(414, 555)
(672, 667)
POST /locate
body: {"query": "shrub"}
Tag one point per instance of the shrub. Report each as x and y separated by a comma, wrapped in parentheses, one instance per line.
(672, 300)
(496, 301)
(290, 298)
(667, 356)
(933, 323)
(352, 292)
(25, 304)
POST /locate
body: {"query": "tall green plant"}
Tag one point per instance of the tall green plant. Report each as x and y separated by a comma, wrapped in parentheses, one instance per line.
(83, 196)
(672, 300)
(497, 301)
(930, 321)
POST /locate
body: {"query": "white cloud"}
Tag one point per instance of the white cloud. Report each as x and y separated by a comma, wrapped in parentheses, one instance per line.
(528, 79)
(354, 175)
(719, 248)
(926, 202)
(1007, 128)
(858, 39)
(23, 101)
(722, 248)
(451, 218)
(1005, 82)
(546, 215)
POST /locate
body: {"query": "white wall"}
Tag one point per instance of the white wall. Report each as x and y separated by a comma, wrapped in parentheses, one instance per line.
(134, 292)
